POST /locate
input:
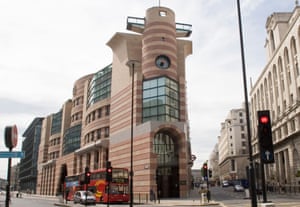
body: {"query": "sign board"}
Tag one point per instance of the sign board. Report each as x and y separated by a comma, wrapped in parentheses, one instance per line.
(13, 154)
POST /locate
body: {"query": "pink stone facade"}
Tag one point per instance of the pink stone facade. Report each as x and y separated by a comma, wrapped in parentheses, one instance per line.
(106, 124)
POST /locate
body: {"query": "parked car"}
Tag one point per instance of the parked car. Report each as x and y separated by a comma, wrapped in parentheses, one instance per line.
(238, 188)
(225, 183)
(84, 197)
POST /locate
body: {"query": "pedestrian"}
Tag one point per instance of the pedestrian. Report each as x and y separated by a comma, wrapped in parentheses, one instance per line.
(152, 196)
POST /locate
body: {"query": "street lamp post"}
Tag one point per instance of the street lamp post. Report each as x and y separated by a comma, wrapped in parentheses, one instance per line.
(131, 64)
(251, 167)
(131, 138)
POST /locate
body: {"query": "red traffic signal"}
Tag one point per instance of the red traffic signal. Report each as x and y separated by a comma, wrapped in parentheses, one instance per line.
(264, 130)
(204, 170)
(87, 175)
(264, 119)
(109, 174)
(108, 171)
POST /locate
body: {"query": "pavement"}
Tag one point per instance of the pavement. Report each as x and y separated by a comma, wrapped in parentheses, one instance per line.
(279, 200)
(161, 203)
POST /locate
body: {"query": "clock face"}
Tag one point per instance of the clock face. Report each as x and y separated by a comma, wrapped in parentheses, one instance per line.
(162, 62)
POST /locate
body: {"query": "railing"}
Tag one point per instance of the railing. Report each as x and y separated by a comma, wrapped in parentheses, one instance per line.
(184, 29)
(288, 189)
(140, 198)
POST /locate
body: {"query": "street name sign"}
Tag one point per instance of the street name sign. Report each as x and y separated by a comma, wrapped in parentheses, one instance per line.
(13, 154)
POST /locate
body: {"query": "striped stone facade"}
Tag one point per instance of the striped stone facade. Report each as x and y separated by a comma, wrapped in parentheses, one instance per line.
(158, 145)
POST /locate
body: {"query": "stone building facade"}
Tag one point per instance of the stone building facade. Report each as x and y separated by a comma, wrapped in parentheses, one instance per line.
(135, 105)
(278, 90)
(233, 146)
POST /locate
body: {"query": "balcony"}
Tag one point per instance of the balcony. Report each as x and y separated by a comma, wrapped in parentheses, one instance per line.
(137, 24)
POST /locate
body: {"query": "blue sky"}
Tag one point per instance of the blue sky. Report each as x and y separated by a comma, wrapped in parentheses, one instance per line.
(45, 46)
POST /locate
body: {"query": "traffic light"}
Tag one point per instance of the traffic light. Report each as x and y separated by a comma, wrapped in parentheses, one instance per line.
(108, 172)
(87, 175)
(265, 136)
(204, 170)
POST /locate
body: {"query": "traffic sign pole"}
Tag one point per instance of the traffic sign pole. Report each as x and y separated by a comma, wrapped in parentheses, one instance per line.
(8, 181)
(11, 140)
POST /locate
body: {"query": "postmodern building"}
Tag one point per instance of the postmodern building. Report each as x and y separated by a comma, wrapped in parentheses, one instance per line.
(233, 147)
(135, 107)
(278, 90)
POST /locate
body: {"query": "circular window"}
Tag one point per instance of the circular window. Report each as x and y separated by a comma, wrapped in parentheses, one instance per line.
(162, 62)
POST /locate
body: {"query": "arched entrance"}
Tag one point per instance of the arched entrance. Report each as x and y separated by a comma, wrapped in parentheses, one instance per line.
(167, 171)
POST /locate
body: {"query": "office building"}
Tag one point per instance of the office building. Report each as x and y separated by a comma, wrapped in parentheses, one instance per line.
(277, 89)
(28, 165)
(135, 106)
(233, 147)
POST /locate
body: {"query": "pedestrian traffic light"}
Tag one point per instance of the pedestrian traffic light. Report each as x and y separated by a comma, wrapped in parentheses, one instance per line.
(108, 172)
(265, 137)
(87, 175)
(204, 170)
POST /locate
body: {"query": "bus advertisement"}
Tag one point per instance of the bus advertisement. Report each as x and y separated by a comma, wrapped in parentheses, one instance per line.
(71, 186)
(118, 187)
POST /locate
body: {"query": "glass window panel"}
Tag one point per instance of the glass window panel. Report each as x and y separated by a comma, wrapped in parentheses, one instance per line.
(153, 92)
(161, 110)
(153, 111)
(173, 94)
(161, 100)
(176, 114)
(146, 94)
(161, 118)
(99, 87)
(153, 102)
(146, 103)
(173, 85)
(167, 82)
(161, 91)
(171, 111)
(172, 102)
(161, 81)
(146, 85)
(146, 112)
(153, 83)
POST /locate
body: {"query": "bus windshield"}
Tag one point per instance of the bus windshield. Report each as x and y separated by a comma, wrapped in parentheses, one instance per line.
(119, 175)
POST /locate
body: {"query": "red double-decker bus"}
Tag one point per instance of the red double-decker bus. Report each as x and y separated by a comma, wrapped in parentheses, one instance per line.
(118, 187)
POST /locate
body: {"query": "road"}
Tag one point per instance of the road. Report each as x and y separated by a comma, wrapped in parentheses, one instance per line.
(28, 202)
(224, 197)
(233, 199)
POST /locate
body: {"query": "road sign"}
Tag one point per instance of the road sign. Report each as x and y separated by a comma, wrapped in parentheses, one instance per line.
(11, 136)
(267, 156)
(13, 154)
